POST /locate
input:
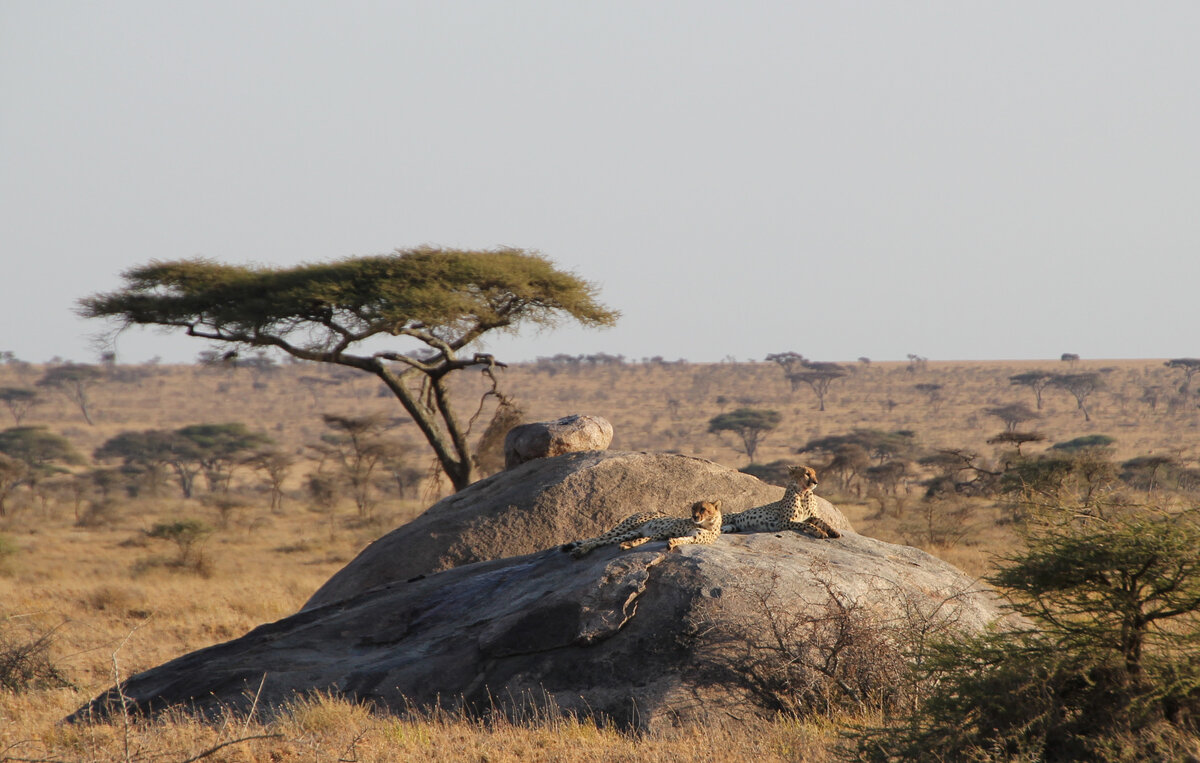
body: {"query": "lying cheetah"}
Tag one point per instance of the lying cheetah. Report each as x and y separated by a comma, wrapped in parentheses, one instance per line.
(795, 511)
(636, 529)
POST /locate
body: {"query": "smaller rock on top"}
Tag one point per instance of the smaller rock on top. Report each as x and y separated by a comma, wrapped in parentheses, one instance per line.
(571, 434)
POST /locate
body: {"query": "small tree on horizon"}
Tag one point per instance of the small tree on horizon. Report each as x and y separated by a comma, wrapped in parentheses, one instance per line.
(749, 424)
(436, 303)
(1189, 366)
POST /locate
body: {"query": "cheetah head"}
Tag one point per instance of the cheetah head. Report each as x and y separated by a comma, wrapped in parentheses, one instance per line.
(707, 514)
(804, 476)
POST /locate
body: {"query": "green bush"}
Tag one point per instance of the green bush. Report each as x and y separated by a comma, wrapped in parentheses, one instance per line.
(186, 534)
(1108, 668)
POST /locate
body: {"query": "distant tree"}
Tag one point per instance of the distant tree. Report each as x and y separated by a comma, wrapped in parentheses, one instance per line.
(1144, 469)
(147, 453)
(1035, 380)
(882, 446)
(1016, 439)
(13, 473)
(18, 400)
(932, 391)
(1070, 357)
(218, 448)
(750, 424)
(864, 360)
(32, 454)
(38, 447)
(1081, 387)
(74, 381)
(818, 377)
(1078, 474)
(916, 363)
(1150, 395)
(439, 302)
(356, 445)
(790, 362)
(276, 465)
(1013, 415)
(1086, 442)
(798, 370)
(1189, 367)
(187, 535)
(886, 476)
(848, 461)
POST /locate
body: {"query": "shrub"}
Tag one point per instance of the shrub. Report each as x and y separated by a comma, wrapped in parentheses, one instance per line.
(25, 660)
(1110, 669)
(186, 534)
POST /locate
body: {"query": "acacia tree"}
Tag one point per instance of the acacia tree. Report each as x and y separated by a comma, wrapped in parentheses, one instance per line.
(74, 381)
(437, 302)
(790, 362)
(31, 454)
(356, 444)
(18, 400)
(277, 465)
(218, 448)
(1081, 386)
(1035, 380)
(1016, 439)
(818, 376)
(148, 452)
(1013, 414)
(1108, 670)
(1189, 366)
(750, 424)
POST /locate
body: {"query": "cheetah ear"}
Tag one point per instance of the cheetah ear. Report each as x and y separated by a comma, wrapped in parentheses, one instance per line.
(717, 504)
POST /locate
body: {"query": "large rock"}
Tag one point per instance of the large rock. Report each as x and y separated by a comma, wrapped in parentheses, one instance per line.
(543, 504)
(577, 433)
(428, 616)
(642, 638)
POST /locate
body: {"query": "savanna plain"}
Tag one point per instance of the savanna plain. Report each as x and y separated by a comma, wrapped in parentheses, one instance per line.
(107, 569)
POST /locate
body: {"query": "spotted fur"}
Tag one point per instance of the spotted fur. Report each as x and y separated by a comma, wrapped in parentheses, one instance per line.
(795, 511)
(703, 527)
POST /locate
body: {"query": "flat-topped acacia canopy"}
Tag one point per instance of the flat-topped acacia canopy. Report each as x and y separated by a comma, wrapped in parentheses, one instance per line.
(443, 298)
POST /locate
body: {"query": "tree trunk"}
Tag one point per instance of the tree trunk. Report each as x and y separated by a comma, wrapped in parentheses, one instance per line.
(454, 456)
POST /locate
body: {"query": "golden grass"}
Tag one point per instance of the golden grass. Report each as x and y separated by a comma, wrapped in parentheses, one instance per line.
(119, 604)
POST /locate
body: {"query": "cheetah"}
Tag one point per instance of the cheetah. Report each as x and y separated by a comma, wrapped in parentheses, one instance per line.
(795, 511)
(703, 527)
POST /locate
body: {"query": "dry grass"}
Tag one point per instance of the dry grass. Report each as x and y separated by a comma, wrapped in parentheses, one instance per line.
(117, 602)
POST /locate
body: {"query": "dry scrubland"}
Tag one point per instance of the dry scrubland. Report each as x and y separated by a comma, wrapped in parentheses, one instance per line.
(112, 600)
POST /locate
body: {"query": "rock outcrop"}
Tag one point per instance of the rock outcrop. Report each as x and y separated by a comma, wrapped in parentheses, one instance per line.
(641, 638)
(543, 504)
(577, 433)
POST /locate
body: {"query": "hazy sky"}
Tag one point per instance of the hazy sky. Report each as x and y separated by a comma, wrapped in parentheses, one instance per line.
(955, 179)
